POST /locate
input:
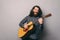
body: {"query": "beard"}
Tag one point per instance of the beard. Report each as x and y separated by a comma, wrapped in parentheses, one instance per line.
(35, 15)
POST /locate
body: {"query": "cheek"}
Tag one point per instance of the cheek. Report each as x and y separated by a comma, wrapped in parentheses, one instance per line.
(36, 10)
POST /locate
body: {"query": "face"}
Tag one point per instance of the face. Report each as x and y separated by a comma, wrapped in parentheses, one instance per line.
(35, 10)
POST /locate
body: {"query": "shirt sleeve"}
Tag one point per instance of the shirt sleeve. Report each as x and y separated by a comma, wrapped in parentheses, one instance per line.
(21, 24)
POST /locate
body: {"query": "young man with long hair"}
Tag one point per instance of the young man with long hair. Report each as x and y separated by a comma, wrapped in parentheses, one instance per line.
(36, 17)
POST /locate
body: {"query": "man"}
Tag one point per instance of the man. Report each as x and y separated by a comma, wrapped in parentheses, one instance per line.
(36, 17)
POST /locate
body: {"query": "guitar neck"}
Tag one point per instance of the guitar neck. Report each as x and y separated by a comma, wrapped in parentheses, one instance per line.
(46, 16)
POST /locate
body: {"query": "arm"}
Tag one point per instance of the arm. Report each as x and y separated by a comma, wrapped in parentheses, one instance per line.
(21, 24)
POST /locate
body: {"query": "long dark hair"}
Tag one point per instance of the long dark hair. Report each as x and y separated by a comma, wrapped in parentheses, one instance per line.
(39, 12)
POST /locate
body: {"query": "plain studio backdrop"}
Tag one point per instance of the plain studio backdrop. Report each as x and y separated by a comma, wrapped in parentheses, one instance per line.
(13, 11)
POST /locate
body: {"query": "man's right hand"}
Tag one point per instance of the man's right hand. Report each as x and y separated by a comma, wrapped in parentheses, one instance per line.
(25, 26)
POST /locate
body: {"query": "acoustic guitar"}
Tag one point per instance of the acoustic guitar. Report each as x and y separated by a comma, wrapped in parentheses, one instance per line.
(22, 32)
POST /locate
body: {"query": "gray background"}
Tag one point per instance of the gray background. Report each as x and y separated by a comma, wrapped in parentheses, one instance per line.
(13, 11)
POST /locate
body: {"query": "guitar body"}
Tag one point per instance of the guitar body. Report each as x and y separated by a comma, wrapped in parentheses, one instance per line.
(21, 31)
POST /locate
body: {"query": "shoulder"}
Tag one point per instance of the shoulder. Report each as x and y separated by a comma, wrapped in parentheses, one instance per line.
(27, 17)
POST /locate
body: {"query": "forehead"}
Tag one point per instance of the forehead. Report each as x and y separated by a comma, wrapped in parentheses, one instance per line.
(36, 8)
